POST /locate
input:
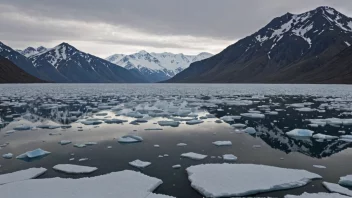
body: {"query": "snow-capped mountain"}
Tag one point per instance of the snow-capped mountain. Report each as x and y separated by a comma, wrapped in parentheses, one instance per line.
(64, 63)
(30, 51)
(289, 47)
(156, 66)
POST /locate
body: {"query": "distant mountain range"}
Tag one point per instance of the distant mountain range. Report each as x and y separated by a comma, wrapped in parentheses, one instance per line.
(10, 73)
(65, 64)
(313, 47)
(156, 67)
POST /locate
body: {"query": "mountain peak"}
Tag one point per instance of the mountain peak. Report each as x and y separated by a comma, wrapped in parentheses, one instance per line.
(143, 52)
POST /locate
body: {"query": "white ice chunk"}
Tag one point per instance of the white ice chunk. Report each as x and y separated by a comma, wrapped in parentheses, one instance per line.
(319, 166)
(325, 137)
(222, 143)
(227, 180)
(123, 184)
(305, 109)
(181, 144)
(74, 169)
(130, 139)
(80, 145)
(335, 188)
(33, 154)
(229, 157)
(253, 115)
(250, 130)
(176, 166)
(139, 164)
(169, 123)
(7, 155)
(193, 122)
(195, 156)
(346, 138)
(64, 142)
(300, 133)
(20, 176)
(346, 180)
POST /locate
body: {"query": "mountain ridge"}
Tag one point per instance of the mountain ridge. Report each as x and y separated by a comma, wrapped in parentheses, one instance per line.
(156, 66)
(265, 56)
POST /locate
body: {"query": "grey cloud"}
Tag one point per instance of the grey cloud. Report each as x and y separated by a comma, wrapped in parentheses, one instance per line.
(218, 20)
(226, 18)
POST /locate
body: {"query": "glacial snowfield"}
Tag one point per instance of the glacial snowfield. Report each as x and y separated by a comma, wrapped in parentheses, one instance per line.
(175, 140)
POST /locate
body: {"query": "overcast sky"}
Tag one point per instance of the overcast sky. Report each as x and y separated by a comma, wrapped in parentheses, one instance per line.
(105, 27)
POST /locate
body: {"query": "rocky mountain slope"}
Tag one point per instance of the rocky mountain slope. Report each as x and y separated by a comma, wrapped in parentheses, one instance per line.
(293, 48)
(10, 73)
(66, 64)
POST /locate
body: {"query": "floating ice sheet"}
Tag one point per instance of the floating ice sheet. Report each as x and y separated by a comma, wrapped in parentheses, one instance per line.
(195, 156)
(74, 169)
(226, 180)
(131, 184)
(335, 188)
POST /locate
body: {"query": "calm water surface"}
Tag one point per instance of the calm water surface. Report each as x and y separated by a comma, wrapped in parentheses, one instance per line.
(70, 104)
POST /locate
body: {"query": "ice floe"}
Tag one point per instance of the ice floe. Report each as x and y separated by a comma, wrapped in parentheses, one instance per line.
(325, 137)
(192, 155)
(346, 180)
(7, 155)
(20, 176)
(335, 188)
(250, 130)
(139, 164)
(130, 184)
(193, 122)
(176, 166)
(64, 142)
(222, 143)
(253, 115)
(33, 154)
(181, 144)
(74, 169)
(319, 166)
(169, 123)
(229, 157)
(226, 180)
(300, 133)
(130, 139)
(346, 138)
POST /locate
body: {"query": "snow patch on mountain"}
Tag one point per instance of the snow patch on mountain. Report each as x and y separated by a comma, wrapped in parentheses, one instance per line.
(30, 51)
(158, 66)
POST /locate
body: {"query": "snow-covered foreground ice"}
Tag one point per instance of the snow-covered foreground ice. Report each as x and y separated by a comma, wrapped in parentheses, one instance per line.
(317, 195)
(21, 175)
(335, 188)
(123, 184)
(195, 156)
(226, 180)
(74, 169)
